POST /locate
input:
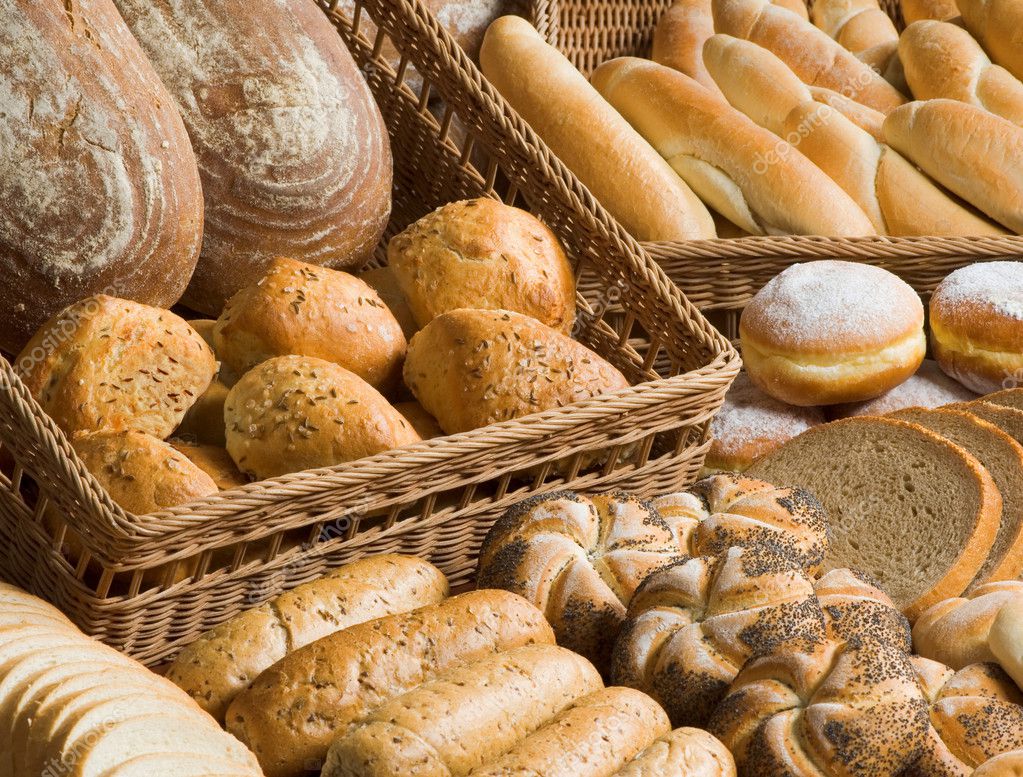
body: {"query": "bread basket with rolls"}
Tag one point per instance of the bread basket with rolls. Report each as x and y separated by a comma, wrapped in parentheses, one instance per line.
(148, 583)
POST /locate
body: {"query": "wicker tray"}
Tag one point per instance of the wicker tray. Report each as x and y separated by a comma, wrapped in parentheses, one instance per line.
(590, 32)
(148, 584)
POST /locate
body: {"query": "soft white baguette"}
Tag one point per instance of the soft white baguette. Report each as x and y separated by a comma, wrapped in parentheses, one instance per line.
(998, 25)
(941, 10)
(622, 171)
(740, 169)
(861, 26)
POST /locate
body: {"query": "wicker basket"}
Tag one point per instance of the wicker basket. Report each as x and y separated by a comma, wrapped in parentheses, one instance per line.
(148, 584)
(590, 32)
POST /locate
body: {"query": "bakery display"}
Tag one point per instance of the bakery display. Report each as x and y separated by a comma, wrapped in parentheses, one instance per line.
(929, 388)
(487, 255)
(828, 332)
(292, 151)
(99, 182)
(500, 365)
(976, 327)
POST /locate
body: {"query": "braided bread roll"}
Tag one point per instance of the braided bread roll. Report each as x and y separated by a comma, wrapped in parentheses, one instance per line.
(855, 607)
(692, 752)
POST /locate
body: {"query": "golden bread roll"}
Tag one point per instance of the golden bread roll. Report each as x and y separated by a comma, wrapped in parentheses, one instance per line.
(975, 715)
(897, 198)
(1004, 765)
(828, 332)
(223, 661)
(214, 461)
(855, 607)
(692, 752)
(465, 717)
(941, 10)
(604, 546)
(724, 156)
(627, 177)
(483, 254)
(679, 37)
(821, 707)
(815, 58)
(976, 319)
(204, 420)
(723, 511)
(957, 631)
(867, 119)
(929, 388)
(943, 60)
(426, 425)
(592, 738)
(1005, 639)
(861, 26)
(114, 365)
(204, 327)
(294, 710)
(292, 150)
(750, 424)
(977, 155)
(300, 309)
(471, 368)
(383, 282)
(998, 25)
(293, 413)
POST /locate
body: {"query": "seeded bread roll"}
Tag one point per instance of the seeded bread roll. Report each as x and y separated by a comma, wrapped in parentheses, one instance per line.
(483, 254)
(292, 150)
(998, 25)
(111, 364)
(294, 710)
(855, 607)
(499, 365)
(214, 461)
(383, 282)
(691, 626)
(465, 717)
(426, 425)
(300, 309)
(293, 413)
(222, 662)
(692, 752)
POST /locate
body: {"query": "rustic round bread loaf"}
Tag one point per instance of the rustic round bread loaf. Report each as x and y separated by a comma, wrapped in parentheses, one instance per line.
(483, 254)
(689, 751)
(975, 714)
(722, 511)
(293, 153)
(824, 708)
(113, 365)
(301, 309)
(578, 560)
(293, 413)
(855, 607)
(691, 626)
(100, 187)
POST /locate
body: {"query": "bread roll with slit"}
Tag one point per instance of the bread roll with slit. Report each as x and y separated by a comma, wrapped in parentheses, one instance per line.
(977, 155)
(692, 752)
(943, 60)
(728, 160)
(679, 37)
(940, 10)
(998, 26)
(957, 631)
(811, 53)
(867, 119)
(861, 26)
(628, 177)
(898, 198)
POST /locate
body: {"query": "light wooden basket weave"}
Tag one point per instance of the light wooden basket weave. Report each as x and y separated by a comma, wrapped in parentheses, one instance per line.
(148, 584)
(590, 32)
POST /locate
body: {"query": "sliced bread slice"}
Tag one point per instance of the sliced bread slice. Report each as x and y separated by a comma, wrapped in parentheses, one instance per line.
(909, 508)
(177, 765)
(1002, 456)
(1008, 419)
(1011, 397)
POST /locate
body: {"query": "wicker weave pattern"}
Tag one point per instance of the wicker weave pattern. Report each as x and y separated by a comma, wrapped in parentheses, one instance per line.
(221, 554)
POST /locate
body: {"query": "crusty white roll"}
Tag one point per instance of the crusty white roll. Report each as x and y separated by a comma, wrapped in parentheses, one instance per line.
(998, 25)
(679, 37)
(863, 116)
(692, 752)
(861, 26)
(814, 56)
(940, 10)
(827, 332)
(622, 171)
(943, 60)
(898, 198)
(731, 162)
(1004, 765)
(976, 318)
(972, 152)
(1006, 638)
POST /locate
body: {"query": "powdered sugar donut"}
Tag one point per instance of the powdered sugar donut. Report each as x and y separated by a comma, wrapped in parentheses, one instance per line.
(751, 424)
(977, 325)
(829, 332)
(930, 388)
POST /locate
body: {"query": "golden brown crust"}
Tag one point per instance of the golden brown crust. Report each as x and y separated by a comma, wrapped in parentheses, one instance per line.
(111, 364)
(941, 10)
(1004, 765)
(383, 282)
(998, 25)
(859, 25)
(426, 425)
(297, 308)
(483, 254)
(1005, 639)
(294, 413)
(204, 421)
(471, 368)
(692, 752)
(214, 461)
(679, 37)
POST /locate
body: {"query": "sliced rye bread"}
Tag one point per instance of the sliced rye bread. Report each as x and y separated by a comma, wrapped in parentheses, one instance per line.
(1002, 456)
(1012, 397)
(909, 508)
(1008, 419)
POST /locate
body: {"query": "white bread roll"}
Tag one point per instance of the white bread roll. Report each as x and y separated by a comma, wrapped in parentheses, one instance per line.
(862, 116)
(998, 25)
(610, 158)
(692, 752)
(943, 60)
(976, 154)
(812, 55)
(679, 37)
(957, 631)
(897, 198)
(1005, 639)
(861, 26)
(732, 163)
(940, 10)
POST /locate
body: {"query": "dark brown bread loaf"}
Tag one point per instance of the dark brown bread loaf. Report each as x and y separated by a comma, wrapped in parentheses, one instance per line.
(98, 180)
